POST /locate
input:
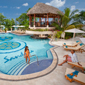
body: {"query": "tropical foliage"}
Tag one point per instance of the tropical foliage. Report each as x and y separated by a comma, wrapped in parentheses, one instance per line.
(58, 34)
(67, 18)
(70, 20)
(23, 19)
(80, 17)
(2, 19)
(9, 23)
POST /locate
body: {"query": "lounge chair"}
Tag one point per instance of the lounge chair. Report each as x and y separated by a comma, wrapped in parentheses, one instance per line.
(73, 45)
(77, 48)
(76, 65)
(80, 78)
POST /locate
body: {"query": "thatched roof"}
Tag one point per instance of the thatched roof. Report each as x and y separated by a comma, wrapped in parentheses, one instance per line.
(41, 8)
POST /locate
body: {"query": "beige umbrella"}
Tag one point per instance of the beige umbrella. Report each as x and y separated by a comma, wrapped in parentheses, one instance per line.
(74, 31)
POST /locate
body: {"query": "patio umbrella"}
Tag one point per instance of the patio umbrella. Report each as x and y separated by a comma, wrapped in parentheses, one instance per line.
(83, 40)
(74, 31)
(17, 26)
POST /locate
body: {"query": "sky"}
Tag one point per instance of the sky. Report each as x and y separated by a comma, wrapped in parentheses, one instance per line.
(14, 8)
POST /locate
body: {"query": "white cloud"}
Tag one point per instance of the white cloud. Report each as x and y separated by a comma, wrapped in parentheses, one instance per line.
(73, 7)
(18, 7)
(25, 4)
(82, 9)
(56, 3)
(76, 2)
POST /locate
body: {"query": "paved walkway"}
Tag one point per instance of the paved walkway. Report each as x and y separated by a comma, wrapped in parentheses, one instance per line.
(56, 77)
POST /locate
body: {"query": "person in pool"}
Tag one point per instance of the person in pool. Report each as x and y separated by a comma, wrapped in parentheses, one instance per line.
(26, 54)
(72, 57)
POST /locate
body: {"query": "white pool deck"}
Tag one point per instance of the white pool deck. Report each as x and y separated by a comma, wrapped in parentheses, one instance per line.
(56, 77)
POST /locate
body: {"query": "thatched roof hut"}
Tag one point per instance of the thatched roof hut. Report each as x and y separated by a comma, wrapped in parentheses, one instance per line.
(41, 8)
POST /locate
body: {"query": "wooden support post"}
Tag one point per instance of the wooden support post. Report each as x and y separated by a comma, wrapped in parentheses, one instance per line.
(29, 21)
(58, 19)
(47, 21)
(53, 19)
(34, 21)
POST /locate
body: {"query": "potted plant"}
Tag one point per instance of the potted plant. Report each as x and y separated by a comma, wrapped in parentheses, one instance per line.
(5, 30)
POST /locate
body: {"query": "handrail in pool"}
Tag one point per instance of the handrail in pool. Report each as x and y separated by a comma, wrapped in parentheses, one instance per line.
(36, 57)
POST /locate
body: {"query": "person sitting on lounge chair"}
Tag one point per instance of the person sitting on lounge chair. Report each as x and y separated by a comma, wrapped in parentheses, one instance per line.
(72, 57)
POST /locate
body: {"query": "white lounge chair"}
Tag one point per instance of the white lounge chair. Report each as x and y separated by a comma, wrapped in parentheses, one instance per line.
(80, 77)
(73, 45)
(76, 65)
(77, 48)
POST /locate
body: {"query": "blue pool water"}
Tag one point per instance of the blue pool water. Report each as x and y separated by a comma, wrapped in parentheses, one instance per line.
(12, 61)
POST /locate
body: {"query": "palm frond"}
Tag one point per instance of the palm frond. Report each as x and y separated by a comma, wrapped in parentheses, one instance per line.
(67, 12)
(70, 27)
(73, 12)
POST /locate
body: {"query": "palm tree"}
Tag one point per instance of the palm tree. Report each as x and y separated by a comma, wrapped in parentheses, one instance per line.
(67, 18)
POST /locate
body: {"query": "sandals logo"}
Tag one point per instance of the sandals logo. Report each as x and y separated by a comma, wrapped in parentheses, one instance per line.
(10, 59)
(13, 57)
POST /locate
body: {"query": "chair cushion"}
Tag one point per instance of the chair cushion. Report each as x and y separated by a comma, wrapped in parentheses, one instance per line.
(66, 46)
(77, 41)
(64, 43)
(81, 44)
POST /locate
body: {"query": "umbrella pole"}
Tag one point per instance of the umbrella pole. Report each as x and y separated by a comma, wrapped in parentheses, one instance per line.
(74, 35)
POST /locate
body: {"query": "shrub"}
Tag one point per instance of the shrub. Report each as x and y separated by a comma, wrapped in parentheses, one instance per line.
(38, 30)
(68, 35)
(49, 36)
(58, 34)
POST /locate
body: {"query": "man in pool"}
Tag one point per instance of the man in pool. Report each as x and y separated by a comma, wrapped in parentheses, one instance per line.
(26, 54)
(72, 57)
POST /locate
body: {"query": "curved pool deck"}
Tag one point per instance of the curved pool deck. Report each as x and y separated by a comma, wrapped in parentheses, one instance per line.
(25, 75)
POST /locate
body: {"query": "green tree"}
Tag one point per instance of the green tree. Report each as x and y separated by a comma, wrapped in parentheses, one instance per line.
(67, 18)
(12, 21)
(2, 19)
(23, 19)
(79, 18)
(8, 24)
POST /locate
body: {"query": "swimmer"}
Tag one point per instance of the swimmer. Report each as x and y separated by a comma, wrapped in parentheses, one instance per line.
(26, 54)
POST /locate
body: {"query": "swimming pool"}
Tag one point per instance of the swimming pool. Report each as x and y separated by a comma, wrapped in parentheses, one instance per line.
(12, 61)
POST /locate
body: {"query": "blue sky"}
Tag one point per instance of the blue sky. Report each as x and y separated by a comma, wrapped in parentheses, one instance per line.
(13, 8)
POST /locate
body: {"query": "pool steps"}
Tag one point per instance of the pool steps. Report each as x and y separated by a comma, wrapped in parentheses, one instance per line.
(19, 67)
(14, 67)
(49, 54)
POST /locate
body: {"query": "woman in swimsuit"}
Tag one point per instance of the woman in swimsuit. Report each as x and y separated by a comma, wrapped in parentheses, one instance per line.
(26, 54)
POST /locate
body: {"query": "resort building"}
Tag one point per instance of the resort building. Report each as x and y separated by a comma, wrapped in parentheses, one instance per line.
(45, 14)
